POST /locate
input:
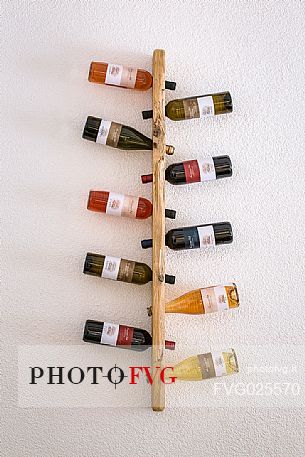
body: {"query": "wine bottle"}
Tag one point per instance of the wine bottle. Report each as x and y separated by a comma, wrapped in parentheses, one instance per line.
(199, 170)
(121, 336)
(200, 236)
(195, 107)
(122, 205)
(205, 366)
(119, 269)
(203, 301)
(123, 76)
(118, 136)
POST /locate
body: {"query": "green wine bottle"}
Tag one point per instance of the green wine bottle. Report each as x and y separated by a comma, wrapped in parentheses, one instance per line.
(119, 269)
(118, 136)
(195, 107)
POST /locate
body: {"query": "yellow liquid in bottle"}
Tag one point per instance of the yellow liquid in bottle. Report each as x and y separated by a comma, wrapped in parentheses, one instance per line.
(193, 302)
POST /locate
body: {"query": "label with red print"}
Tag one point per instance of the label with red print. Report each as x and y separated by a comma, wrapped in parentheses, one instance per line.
(110, 334)
(206, 169)
(114, 74)
(125, 336)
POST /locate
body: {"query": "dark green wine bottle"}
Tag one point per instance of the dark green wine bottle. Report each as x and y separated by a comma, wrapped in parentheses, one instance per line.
(195, 107)
(119, 269)
(118, 136)
(200, 236)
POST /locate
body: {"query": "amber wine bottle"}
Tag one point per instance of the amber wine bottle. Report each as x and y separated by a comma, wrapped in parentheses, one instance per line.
(195, 107)
(119, 269)
(203, 301)
(199, 170)
(113, 74)
(205, 366)
(118, 136)
(200, 236)
(121, 336)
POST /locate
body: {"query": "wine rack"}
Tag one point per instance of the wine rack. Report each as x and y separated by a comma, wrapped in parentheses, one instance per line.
(158, 229)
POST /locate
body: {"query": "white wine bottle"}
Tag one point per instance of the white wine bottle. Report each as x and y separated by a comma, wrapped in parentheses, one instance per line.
(205, 366)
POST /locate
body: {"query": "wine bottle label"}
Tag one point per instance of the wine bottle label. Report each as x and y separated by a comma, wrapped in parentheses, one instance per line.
(214, 299)
(199, 170)
(115, 204)
(122, 205)
(191, 108)
(110, 334)
(125, 336)
(130, 206)
(109, 133)
(126, 270)
(128, 78)
(206, 106)
(206, 236)
(111, 267)
(212, 365)
(206, 169)
(103, 131)
(114, 74)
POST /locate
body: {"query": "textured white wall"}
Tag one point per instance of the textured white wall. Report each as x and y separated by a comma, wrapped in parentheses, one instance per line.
(255, 50)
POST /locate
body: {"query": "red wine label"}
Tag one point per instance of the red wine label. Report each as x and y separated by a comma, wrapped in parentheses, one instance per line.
(191, 108)
(125, 336)
(111, 267)
(109, 133)
(126, 270)
(214, 299)
(122, 205)
(110, 334)
(206, 106)
(207, 169)
(114, 74)
(206, 236)
(191, 170)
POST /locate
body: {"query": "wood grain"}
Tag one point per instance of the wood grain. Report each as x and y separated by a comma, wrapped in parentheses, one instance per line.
(158, 254)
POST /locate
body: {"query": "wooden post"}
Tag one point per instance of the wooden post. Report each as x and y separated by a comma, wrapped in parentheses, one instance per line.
(158, 253)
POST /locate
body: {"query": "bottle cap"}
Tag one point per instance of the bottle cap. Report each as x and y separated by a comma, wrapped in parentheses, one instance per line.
(170, 85)
(91, 128)
(223, 233)
(223, 166)
(146, 244)
(170, 213)
(93, 331)
(94, 264)
(147, 178)
(169, 149)
(169, 279)
(147, 114)
(170, 345)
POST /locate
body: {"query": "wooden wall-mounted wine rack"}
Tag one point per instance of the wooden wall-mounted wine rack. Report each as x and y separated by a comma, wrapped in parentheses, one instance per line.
(158, 231)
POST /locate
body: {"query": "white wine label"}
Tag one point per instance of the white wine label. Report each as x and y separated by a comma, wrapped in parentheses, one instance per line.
(110, 334)
(114, 74)
(219, 363)
(111, 267)
(103, 132)
(214, 299)
(128, 78)
(130, 206)
(206, 169)
(115, 204)
(206, 236)
(206, 106)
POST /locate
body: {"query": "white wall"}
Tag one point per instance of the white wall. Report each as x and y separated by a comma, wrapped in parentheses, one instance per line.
(255, 50)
